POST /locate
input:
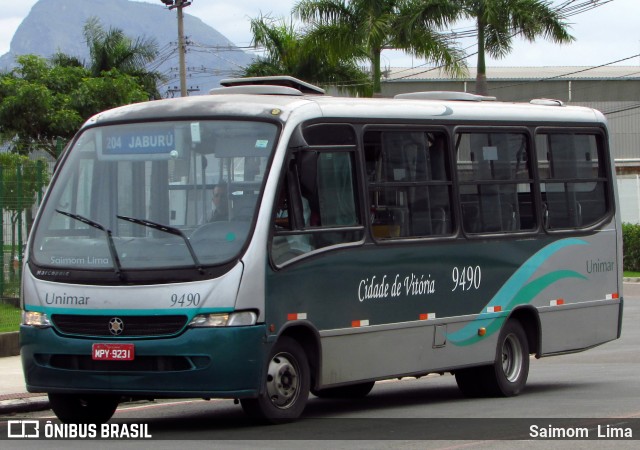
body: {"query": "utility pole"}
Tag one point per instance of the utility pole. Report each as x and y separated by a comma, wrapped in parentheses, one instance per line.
(179, 5)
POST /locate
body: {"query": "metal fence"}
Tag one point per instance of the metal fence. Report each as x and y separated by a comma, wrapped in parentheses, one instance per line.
(22, 184)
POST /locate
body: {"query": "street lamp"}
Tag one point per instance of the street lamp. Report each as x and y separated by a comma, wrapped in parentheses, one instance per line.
(179, 4)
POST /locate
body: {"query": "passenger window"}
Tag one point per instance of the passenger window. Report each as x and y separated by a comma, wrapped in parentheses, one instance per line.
(317, 204)
(573, 183)
(496, 184)
(409, 184)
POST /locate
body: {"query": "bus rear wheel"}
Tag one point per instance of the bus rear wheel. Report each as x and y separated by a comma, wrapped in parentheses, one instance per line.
(507, 376)
(285, 391)
(359, 390)
(83, 409)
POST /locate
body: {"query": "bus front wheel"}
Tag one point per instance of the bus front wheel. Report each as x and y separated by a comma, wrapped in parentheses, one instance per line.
(286, 385)
(84, 409)
(508, 374)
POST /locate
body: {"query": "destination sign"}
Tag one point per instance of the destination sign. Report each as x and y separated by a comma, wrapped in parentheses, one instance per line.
(145, 140)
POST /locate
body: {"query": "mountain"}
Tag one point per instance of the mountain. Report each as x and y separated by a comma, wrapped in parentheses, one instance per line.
(56, 25)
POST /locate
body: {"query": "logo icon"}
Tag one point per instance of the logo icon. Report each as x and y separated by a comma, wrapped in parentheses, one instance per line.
(23, 429)
(116, 326)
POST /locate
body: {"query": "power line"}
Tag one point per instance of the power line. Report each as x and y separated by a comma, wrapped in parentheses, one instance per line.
(569, 8)
(564, 74)
(619, 110)
(584, 85)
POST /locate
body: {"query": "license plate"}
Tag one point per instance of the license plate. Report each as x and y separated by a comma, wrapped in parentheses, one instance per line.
(112, 352)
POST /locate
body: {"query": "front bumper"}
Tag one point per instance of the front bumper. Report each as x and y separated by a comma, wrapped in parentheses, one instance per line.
(201, 362)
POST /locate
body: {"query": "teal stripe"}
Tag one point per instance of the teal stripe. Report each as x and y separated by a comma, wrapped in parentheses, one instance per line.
(529, 291)
(520, 277)
(190, 312)
(515, 292)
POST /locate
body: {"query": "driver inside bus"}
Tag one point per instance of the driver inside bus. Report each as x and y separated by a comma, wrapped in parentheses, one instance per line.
(219, 204)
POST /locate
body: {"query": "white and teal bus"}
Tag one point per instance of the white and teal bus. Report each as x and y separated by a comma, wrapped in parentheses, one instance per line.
(356, 240)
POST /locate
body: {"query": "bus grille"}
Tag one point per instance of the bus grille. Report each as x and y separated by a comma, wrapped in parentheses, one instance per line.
(140, 364)
(118, 326)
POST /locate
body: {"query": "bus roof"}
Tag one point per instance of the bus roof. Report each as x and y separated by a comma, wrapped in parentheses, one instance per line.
(285, 107)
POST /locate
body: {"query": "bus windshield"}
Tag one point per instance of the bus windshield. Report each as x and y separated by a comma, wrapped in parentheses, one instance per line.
(155, 195)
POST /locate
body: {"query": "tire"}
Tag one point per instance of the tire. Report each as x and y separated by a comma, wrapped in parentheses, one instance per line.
(507, 376)
(511, 367)
(83, 409)
(286, 385)
(354, 391)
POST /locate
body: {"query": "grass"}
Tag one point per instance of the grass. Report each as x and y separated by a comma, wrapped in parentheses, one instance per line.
(629, 274)
(9, 318)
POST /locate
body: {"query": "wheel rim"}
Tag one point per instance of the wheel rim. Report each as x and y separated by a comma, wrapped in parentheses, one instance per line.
(511, 358)
(283, 381)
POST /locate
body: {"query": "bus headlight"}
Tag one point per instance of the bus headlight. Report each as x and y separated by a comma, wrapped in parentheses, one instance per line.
(35, 319)
(235, 319)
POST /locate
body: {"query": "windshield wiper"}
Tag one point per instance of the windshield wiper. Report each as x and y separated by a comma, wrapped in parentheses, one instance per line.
(170, 230)
(112, 248)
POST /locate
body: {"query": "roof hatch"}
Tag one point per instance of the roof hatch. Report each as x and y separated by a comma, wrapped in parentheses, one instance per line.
(274, 85)
(546, 102)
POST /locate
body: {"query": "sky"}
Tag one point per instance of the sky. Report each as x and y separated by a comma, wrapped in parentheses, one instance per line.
(607, 34)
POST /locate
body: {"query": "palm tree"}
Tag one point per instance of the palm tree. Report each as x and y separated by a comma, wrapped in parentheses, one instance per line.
(290, 52)
(370, 26)
(60, 59)
(499, 21)
(112, 49)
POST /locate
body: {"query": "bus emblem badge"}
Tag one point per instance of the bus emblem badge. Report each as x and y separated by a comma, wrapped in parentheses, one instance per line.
(116, 326)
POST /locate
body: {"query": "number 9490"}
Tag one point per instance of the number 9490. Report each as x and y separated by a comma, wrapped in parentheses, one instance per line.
(185, 300)
(466, 278)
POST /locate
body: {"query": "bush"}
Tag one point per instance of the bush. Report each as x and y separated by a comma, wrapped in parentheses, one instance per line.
(9, 317)
(631, 247)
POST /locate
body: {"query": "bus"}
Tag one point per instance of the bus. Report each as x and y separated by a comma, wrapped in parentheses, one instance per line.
(356, 240)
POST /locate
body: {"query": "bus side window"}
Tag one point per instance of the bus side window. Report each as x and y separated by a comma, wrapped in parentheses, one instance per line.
(409, 184)
(286, 243)
(317, 201)
(496, 184)
(573, 184)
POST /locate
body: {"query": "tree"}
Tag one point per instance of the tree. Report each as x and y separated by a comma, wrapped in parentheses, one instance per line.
(112, 49)
(499, 21)
(290, 52)
(35, 104)
(370, 26)
(40, 101)
(110, 90)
